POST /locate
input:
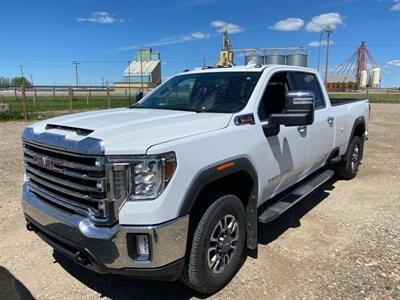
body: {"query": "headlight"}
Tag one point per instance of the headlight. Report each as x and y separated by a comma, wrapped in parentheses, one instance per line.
(141, 177)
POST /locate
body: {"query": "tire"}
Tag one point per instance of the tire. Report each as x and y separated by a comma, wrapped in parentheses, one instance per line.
(200, 273)
(348, 167)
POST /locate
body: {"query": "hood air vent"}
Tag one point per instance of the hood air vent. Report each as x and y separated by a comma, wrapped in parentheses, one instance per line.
(78, 131)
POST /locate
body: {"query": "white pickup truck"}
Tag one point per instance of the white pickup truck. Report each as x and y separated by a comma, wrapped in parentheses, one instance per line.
(174, 186)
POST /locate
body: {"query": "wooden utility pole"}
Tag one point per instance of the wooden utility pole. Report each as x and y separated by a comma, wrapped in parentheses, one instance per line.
(70, 95)
(22, 72)
(76, 63)
(129, 81)
(108, 98)
(141, 69)
(24, 106)
(328, 31)
(34, 98)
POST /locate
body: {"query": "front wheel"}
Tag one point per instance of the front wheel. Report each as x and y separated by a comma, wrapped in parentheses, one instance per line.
(216, 250)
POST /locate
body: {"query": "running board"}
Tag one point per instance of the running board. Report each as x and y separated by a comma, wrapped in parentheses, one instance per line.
(278, 208)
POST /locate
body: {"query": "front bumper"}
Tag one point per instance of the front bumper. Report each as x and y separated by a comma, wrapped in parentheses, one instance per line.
(108, 249)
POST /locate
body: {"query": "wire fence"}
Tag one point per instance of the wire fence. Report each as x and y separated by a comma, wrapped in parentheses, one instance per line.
(36, 103)
(373, 95)
(23, 103)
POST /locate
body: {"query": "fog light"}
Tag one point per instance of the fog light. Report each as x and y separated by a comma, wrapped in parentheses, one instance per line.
(142, 247)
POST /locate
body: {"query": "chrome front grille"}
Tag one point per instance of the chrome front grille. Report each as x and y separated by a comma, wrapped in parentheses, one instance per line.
(74, 182)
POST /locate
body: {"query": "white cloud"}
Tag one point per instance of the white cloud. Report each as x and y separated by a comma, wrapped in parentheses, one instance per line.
(395, 62)
(396, 5)
(317, 43)
(289, 24)
(318, 23)
(171, 40)
(230, 27)
(195, 36)
(101, 17)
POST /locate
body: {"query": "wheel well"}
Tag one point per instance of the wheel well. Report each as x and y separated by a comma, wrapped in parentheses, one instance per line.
(359, 130)
(239, 184)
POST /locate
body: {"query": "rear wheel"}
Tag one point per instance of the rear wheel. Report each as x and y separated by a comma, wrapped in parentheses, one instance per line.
(347, 169)
(216, 250)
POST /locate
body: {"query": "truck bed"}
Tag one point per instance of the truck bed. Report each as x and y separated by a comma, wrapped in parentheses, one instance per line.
(342, 101)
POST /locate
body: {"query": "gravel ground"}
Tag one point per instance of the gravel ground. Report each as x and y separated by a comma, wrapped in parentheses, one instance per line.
(343, 241)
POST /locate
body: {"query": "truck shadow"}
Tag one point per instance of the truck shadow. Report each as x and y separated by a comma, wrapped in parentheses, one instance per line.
(122, 287)
(11, 287)
(268, 233)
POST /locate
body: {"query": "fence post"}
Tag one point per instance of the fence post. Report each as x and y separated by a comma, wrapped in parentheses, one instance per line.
(387, 94)
(15, 93)
(90, 96)
(24, 107)
(34, 98)
(54, 93)
(108, 98)
(70, 95)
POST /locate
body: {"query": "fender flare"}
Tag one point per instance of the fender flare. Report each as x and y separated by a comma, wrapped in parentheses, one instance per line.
(358, 121)
(212, 174)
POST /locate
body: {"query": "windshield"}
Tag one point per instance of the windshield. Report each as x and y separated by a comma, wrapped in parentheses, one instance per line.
(218, 92)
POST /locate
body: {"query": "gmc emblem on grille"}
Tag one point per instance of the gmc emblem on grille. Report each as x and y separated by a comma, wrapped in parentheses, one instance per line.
(47, 163)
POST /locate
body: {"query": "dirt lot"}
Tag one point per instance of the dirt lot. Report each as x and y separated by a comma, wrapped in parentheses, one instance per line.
(343, 241)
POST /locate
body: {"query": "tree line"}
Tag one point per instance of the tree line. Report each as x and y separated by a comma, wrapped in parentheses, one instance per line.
(6, 82)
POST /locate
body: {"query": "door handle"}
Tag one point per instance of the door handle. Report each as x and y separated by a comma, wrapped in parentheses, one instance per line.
(301, 129)
(330, 119)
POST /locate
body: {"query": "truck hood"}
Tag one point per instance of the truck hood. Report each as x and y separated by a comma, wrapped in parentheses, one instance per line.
(133, 131)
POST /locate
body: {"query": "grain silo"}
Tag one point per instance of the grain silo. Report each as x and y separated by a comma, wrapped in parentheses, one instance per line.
(275, 59)
(297, 59)
(375, 78)
(254, 58)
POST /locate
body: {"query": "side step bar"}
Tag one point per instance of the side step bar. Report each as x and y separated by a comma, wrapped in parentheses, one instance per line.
(279, 207)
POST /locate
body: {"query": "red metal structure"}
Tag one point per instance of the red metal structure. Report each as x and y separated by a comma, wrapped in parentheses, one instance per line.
(359, 61)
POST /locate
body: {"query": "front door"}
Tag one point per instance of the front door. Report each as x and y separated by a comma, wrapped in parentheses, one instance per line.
(285, 148)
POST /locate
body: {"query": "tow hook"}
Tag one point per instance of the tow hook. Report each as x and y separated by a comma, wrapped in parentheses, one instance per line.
(81, 259)
(29, 226)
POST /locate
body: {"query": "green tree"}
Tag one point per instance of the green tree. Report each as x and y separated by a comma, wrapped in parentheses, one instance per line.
(18, 81)
(5, 82)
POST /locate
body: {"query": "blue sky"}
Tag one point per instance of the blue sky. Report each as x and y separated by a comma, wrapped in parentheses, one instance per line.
(47, 35)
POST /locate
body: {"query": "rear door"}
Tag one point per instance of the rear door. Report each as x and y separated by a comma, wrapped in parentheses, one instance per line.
(321, 132)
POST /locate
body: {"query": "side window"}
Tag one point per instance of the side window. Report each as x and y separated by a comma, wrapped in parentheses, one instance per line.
(273, 100)
(308, 82)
